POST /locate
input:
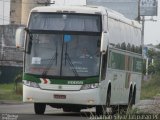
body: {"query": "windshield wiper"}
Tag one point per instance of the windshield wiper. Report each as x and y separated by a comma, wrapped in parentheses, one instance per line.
(71, 64)
(49, 65)
(67, 58)
(29, 43)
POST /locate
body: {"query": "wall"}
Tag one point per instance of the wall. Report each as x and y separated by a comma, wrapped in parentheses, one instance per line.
(9, 73)
(15, 11)
(11, 59)
(9, 55)
(27, 5)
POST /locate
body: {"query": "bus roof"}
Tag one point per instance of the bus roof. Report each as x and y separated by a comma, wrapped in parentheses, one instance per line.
(88, 10)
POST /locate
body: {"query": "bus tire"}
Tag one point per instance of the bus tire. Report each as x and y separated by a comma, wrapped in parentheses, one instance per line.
(67, 110)
(108, 101)
(134, 96)
(76, 109)
(102, 109)
(130, 100)
(39, 108)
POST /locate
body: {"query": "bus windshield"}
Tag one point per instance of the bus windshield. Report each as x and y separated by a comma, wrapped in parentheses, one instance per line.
(63, 44)
(62, 55)
(65, 22)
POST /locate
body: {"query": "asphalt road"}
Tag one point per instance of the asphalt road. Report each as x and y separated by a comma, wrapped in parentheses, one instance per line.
(26, 112)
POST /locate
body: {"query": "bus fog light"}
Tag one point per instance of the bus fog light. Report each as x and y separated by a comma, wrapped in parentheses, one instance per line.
(91, 101)
(30, 99)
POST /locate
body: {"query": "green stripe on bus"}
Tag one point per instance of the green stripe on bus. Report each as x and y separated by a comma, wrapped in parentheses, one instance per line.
(31, 78)
(36, 79)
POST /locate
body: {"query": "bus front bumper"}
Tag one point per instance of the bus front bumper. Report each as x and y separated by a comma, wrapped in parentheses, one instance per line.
(82, 97)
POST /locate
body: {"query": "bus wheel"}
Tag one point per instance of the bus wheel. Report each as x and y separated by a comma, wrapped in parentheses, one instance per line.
(76, 110)
(39, 108)
(71, 110)
(108, 98)
(102, 110)
(130, 100)
(108, 103)
(66, 110)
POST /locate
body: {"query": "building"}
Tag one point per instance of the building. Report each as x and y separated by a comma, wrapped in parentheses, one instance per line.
(15, 11)
(19, 10)
(4, 12)
(11, 59)
(27, 5)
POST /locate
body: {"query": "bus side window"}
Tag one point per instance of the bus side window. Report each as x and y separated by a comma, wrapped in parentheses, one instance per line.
(104, 66)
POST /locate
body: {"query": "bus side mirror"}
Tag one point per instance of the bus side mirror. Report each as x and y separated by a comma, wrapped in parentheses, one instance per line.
(104, 42)
(19, 38)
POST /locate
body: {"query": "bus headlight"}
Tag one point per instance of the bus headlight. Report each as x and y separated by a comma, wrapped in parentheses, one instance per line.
(31, 84)
(89, 86)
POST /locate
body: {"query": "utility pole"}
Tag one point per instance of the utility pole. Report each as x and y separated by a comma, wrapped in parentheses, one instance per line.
(2, 45)
(143, 23)
(147, 8)
(2, 38)
(2, 41)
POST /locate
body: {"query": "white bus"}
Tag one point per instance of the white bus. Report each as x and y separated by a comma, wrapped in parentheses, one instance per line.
(78, 57)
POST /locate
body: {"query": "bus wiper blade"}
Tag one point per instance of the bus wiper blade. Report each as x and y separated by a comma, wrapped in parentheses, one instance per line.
(29, 43)
(49, 65)
(71, 64)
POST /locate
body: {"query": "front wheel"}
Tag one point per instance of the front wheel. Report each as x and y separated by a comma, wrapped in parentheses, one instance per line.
(39, 108)
(71, 109)
(102, 110)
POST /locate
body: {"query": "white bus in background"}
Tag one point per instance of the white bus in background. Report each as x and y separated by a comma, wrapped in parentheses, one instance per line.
(80, 57)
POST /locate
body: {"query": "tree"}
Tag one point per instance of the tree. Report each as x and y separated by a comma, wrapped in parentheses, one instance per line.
(154, 61)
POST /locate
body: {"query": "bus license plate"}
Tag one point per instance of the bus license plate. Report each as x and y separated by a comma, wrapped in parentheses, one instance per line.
(59, 96)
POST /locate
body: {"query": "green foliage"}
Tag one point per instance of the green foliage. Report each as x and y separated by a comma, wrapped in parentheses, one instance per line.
(151, 69)
(7, 92)
(151, 88)
(155, 66)
(158, 46)
(18, 78)
(151, 53)
(144, 67)
(17, 83)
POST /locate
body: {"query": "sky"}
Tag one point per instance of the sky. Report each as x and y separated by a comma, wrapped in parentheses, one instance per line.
(151, 32)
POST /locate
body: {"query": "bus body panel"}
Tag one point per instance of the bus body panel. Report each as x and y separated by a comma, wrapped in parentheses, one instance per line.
(120, 91)
(83, 97)
(121, 30)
